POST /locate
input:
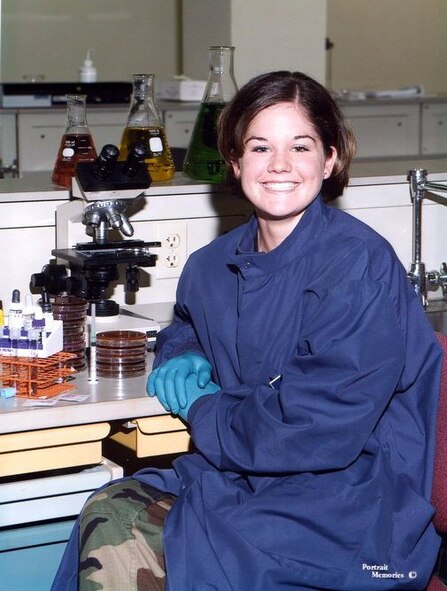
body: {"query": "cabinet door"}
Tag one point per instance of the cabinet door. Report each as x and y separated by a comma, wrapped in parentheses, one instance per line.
(40, 134)
(385, 130)
(178, 126)
(8, 144)
(434, 128)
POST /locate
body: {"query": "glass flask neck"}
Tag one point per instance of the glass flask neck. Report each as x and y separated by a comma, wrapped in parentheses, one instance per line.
(76, 115)
(143, 86)
(143, 112)
(221, 85)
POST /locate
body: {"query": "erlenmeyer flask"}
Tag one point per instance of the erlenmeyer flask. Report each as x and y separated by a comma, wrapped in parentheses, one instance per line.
(144, 125)
(77, 143)
(203, 161)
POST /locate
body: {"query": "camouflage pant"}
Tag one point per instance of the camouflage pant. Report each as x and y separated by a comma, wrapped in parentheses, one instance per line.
(121, 539)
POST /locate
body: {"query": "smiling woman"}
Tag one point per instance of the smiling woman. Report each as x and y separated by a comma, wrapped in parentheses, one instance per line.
(308, 373)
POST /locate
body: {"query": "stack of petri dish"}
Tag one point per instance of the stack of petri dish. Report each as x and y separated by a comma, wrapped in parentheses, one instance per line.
(73, 313)
(121, 353)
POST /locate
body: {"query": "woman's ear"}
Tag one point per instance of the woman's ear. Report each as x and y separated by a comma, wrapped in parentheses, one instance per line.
(329, 164)
(236, 168)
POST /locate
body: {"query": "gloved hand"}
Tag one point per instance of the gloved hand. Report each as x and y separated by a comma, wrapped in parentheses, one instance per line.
(168, 381)
(193, 392)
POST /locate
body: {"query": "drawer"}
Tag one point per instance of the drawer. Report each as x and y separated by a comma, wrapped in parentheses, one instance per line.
(50, 449)
(154, 436)
(385, 130)
(434, 129)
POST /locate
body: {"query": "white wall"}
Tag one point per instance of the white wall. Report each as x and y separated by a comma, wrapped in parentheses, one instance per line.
(388, 43)
(268, 35)
(51, 37)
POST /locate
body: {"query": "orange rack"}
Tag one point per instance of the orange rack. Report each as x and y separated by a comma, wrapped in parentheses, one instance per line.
(38, 377)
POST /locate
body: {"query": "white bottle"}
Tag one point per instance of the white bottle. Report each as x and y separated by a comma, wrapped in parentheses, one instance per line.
(15, 316)
(87, 72)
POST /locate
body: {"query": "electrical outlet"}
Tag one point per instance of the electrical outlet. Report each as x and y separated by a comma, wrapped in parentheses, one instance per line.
(171, 256)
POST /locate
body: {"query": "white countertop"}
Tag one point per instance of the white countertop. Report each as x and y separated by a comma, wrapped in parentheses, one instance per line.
(37, 186)
(110, 399)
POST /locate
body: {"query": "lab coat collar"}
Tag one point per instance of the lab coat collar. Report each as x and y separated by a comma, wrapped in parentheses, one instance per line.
(252, 263)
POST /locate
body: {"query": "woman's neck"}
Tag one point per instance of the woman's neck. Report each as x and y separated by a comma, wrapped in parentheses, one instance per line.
(271, 233)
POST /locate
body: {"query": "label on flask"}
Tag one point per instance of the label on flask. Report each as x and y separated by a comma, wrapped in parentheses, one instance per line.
(156, 146)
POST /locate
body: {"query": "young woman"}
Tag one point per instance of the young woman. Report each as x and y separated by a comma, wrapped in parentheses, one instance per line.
(304, 365)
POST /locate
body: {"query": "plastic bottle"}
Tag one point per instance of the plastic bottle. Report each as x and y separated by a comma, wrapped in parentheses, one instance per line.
(29, 311)
(87, 72)
(15, 313)
(144, 125)
(77, 143)
(203, 161)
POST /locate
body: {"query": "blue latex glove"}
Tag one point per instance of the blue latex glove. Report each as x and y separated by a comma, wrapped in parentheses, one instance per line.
(168, 381)
(193, 392)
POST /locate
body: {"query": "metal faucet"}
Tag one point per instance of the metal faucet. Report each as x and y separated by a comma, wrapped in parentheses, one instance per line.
(420, 279)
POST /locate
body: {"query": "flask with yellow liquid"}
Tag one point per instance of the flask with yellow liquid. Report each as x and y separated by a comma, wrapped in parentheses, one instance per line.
(144, 125)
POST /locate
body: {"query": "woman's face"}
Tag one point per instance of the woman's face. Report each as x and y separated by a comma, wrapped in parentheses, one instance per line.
(283, 164)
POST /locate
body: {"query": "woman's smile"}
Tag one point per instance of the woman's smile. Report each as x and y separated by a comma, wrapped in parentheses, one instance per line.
(279, 187)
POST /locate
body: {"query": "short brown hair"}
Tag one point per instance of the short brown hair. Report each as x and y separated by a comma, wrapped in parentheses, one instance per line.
(324, 114)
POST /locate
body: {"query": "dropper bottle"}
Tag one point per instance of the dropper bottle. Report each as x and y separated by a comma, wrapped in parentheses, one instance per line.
(15, 314)
(28, 312)
(87, 72)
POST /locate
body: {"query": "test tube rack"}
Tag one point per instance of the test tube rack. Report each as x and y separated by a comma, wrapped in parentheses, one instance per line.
(38, 377)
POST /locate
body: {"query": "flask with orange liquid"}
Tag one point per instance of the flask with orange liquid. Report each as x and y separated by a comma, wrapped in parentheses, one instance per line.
(77, 143)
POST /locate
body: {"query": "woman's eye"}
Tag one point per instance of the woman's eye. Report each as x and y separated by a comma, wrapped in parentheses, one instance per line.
(300, 149)
(259, 149)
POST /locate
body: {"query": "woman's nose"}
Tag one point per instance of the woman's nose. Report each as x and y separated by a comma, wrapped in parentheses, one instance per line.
(280, 162)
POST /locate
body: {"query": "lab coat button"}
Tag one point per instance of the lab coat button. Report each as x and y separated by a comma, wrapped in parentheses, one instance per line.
(247, 265)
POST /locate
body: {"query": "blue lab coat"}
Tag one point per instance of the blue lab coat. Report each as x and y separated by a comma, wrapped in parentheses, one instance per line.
(321, 480)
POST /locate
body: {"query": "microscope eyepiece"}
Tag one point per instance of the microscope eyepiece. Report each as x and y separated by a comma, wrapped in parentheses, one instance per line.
(105, 162)
(135, 159)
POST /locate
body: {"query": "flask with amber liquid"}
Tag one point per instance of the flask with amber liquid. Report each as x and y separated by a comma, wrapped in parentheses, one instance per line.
(203, 161)
(144, 125)
(77, 143)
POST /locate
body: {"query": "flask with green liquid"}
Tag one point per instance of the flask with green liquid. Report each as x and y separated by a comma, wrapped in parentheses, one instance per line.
(203, 161)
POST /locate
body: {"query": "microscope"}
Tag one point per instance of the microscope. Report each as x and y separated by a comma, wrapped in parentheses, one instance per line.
(108, 188)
